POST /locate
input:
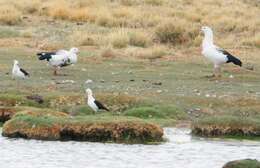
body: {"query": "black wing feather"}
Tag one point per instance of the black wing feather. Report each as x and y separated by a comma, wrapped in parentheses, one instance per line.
(230, 57)
(24, 72)
(100, 105)
(45, 55)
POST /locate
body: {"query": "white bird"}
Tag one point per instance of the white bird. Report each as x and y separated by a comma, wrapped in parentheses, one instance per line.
(60, 58)
(93, 103)
(216, 55)
(17, 72)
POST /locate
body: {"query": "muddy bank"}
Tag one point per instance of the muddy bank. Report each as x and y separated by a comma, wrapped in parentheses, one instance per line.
(245, 163)
(94, 129)
(227, 126)
(6, 114)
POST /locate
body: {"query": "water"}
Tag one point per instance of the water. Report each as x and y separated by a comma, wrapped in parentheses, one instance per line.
(181, 151)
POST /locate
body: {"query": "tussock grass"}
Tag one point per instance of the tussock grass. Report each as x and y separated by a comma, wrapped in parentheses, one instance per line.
(254, 41)
(119, 39)
(170, 32)
(139, 39)
(154, 2)
(226, 126)
(108, 52)
(175, 22)
(158, 112)
(151, 53)
(96, 129)
(9, 15)
(28, 7)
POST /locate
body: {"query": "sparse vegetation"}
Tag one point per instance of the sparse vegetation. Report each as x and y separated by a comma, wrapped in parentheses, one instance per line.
(158, 112)
(96, 129)
(113, 36)
(9, 15)
(227, 126)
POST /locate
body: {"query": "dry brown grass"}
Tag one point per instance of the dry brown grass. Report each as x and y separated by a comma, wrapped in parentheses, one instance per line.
(96, 129)
(108, 52)
(151, 53)
(253, 41)
(9, 15)
(147, 22)
(139, 39)
(119, 39)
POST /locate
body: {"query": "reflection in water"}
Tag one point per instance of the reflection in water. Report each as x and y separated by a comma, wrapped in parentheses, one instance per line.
(181, 151)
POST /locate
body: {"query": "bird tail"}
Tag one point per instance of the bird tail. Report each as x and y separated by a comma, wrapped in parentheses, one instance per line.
(43, 56)
(234, 60)
(106, 109)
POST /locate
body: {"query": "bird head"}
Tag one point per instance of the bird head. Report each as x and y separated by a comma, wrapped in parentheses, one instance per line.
(16, 62)
(74, 50)
(89, 91)
(206, 29)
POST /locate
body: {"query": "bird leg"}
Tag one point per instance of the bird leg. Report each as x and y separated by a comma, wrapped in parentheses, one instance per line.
(217, 71)
(55, 71)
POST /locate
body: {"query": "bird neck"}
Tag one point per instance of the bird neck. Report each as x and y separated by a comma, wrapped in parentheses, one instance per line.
(208, 40)
(15, 67)
(90, 97)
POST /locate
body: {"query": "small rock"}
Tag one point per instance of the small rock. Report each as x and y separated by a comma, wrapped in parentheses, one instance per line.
(207, 95)
(249, 67)
(157, 83)
(102, 81)
(36, 98)
(88, 81)
(84, 69)
(231, 76)
(159, 91)
(80, 23)
(65, 82)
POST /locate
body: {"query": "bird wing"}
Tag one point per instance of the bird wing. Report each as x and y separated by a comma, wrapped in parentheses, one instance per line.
(62, 52)
(24, 72)
(100, 105)
(223, 51)
(45, 55)
(58, 60)
(230, 57)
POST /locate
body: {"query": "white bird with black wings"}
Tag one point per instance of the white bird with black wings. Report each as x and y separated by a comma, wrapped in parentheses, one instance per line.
(17, 72)
(60, 58)
(216, 55)
(93, 103)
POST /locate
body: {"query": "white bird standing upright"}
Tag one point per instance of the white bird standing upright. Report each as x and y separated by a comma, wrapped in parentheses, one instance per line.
(17, 72)
(216, 55)
(60, 58)
(93, 103)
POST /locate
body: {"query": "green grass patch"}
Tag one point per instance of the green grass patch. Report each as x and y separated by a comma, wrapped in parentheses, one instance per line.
(97, 128)
(159, 112)
(8, 33)
(245, 163)
(227, 126)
